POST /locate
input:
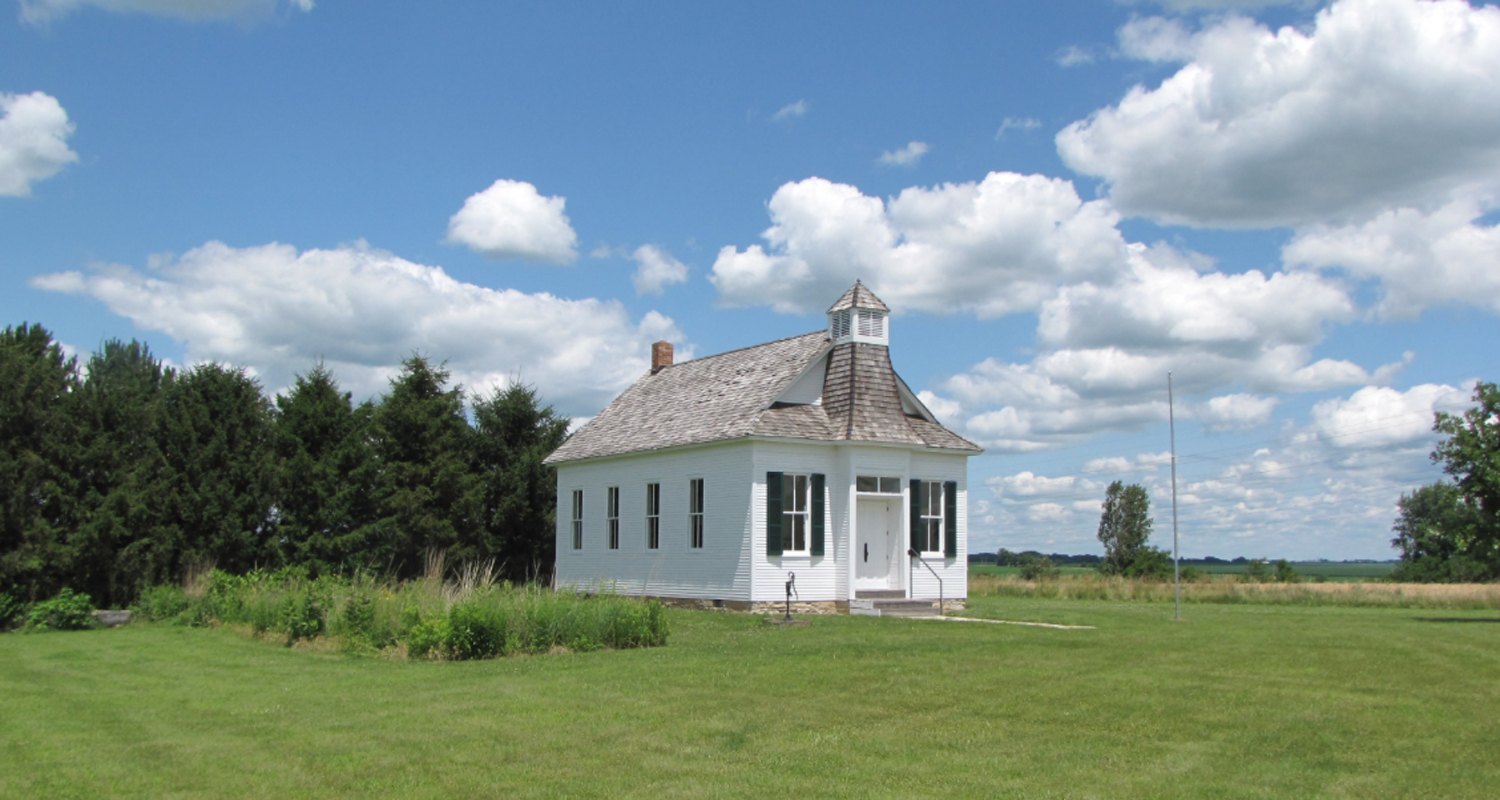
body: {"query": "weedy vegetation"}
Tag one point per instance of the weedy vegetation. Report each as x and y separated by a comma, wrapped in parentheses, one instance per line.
(466, 615)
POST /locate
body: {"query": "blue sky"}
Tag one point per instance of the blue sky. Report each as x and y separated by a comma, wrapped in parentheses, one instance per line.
(1292, 207)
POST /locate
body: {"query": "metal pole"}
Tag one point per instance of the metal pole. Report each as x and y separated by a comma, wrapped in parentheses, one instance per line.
(1176, 561)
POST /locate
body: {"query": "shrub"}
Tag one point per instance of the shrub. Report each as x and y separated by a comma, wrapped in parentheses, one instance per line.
(299, 616)
(1191, 574)
(1151, 563)
(65, 612)
(476, 629)
(1256, 571)
(161, 602)
(1285, 573)
(1041, 569)
(429, 638)
(12, 611)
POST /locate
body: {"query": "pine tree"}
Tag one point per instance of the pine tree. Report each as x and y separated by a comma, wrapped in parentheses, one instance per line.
(327, 475)
(38, 442)
(121, 470)
(514, 433)
(221, 481)
(427, 496)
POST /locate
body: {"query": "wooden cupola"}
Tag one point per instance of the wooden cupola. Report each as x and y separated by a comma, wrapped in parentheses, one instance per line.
(859, 316)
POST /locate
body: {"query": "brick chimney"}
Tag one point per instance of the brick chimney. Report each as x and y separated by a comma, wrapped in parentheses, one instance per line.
(661, 356)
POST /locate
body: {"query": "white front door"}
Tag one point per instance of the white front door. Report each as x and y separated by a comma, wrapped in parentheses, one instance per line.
(876, 534)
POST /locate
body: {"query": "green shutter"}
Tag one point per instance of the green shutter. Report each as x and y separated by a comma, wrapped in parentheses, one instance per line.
(816, 507)
(773, 513)
(915, 528)
(950, 519)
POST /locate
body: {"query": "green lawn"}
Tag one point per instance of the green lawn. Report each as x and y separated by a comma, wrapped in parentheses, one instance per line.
(1236, 701)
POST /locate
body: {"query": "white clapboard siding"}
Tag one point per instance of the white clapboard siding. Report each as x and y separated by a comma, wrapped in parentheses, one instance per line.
(954, 571)
(818, 577)
(719, 571)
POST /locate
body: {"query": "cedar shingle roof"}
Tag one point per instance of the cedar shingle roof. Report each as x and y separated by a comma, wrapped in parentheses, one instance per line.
(731, 395)
(859, 297)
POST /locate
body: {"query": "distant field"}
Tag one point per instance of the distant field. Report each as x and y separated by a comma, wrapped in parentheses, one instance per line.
(1310, 570)
(1242, 701)
(991, 569)
(1328, 570)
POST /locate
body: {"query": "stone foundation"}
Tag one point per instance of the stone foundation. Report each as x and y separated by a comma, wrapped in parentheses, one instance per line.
(816, 607)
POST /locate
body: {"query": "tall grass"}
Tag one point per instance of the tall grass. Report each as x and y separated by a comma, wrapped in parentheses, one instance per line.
(464, 615)
(1227, 590)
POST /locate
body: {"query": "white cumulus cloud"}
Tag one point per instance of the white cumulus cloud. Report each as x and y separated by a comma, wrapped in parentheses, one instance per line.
(656, 269)
(362, 310)
(42, 11)
(1420, 259)
(1380, 103)
(1378, 416)
(1236, 411)
(993, 247)
(511, 219)
(1106, 349)
(34, 131)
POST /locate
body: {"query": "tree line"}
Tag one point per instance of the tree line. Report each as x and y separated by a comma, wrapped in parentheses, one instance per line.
(120, 474)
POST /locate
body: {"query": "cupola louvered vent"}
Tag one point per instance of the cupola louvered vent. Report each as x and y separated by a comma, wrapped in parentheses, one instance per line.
(840, 325)
(859, 316)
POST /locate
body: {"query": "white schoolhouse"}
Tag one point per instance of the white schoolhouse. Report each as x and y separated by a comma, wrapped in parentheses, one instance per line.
(714, 479)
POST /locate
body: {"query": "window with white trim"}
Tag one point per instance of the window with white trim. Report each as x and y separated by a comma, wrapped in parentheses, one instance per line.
(612, 517)
(653, 516)
(577, 519)
(871, 323)
(793, 513)
(695, 513)
(931, 532)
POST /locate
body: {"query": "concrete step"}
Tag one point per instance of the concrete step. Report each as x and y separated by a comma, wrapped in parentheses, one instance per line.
(879, 594)
(892, 607)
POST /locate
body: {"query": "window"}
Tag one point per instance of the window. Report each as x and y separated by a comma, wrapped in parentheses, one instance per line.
(794, 513)
(577, 519)
(612, 517)
(653, 516)
(871, 323)
(873, 485)
(931, 504)
(695, 513)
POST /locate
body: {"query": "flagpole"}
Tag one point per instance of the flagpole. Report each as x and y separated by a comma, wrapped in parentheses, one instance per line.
(1176, 560)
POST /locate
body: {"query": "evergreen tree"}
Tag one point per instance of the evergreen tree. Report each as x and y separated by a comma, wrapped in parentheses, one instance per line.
(327, 476)
(121, 470)
(428, 498)
(514, 432)
(37, 450)
(221, 481)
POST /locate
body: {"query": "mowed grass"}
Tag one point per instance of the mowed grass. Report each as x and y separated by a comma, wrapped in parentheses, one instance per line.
(1234, 701)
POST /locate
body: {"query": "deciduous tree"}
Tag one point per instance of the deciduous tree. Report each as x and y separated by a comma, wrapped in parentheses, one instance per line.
(1124, 528)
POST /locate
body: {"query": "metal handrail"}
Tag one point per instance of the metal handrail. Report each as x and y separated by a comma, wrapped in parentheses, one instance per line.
(942, 609)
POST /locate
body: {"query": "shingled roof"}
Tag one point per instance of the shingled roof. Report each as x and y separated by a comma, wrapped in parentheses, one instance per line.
(733, 395)
(859, 297)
